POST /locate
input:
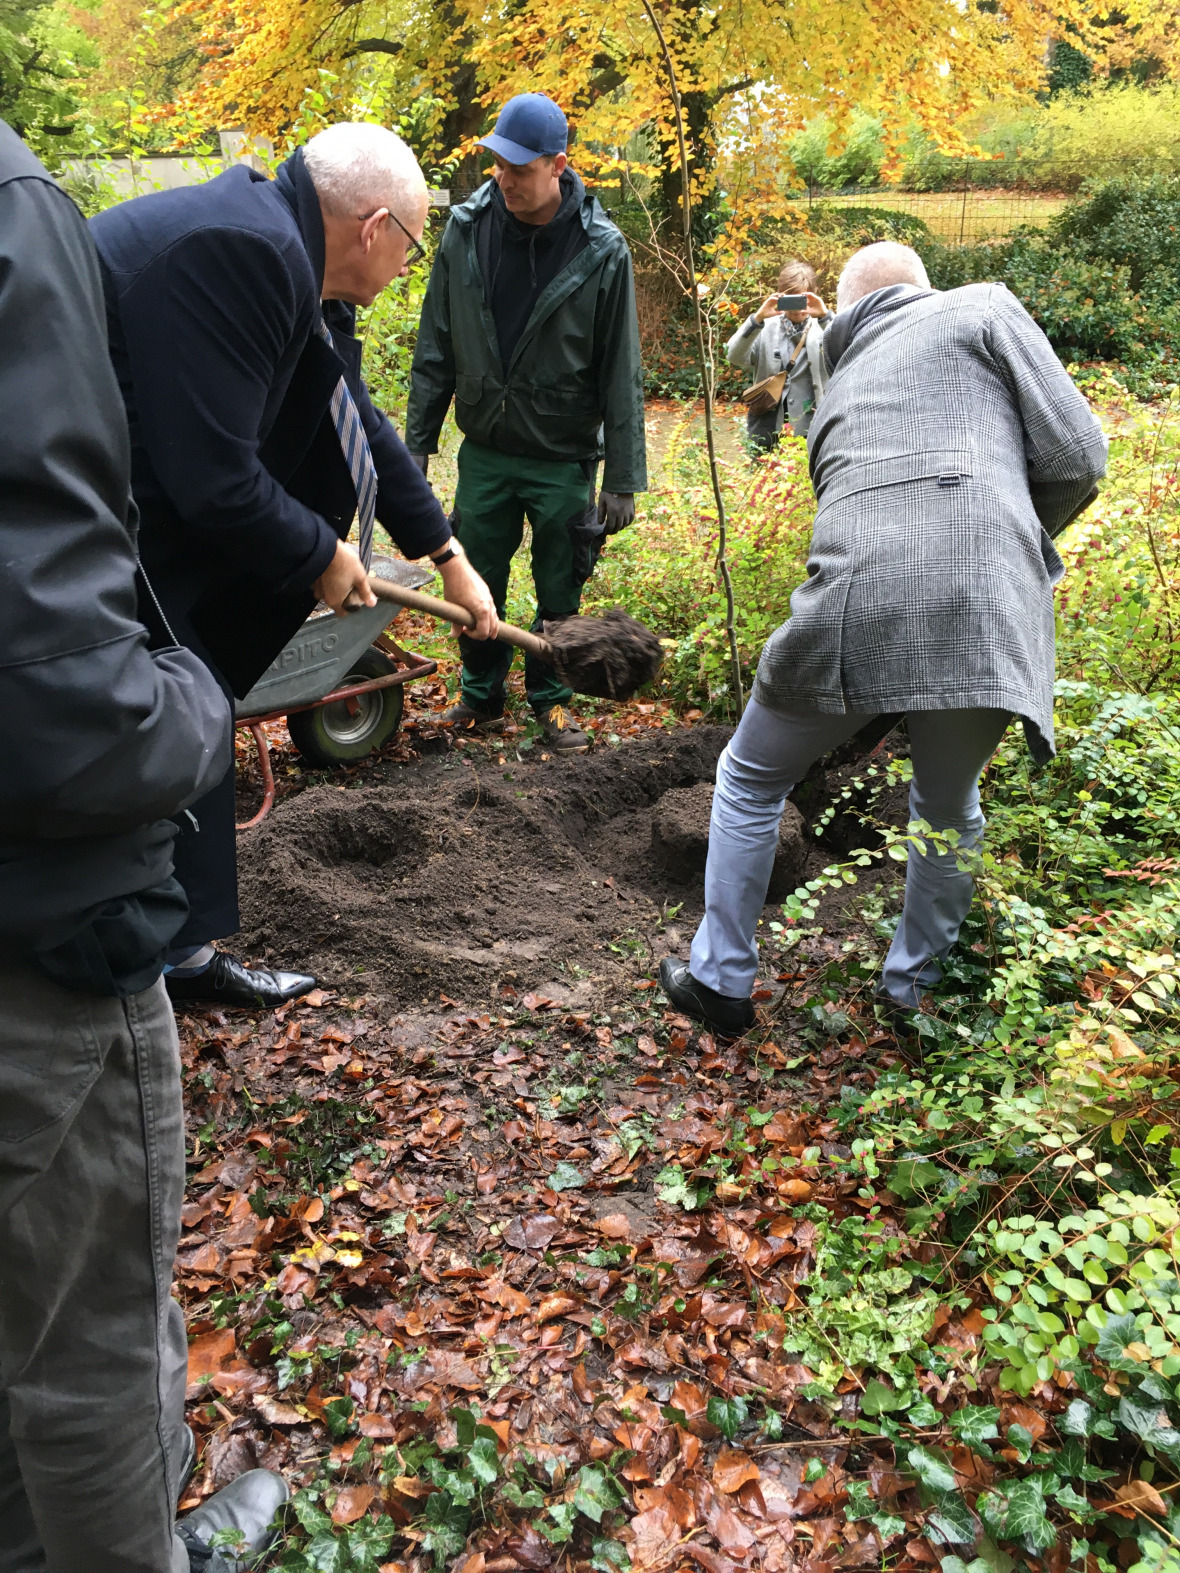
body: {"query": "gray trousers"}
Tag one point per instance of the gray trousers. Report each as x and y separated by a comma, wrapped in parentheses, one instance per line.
(92, 1346)
(767, 755)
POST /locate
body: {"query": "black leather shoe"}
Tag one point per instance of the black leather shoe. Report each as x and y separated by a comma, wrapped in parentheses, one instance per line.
(225, 981)
(726, 1015)
(248, 1505)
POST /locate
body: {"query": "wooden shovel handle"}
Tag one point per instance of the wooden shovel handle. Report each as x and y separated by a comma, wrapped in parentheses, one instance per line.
(385, 590)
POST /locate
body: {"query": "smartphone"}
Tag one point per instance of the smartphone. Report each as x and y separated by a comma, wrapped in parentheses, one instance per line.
(792, 303)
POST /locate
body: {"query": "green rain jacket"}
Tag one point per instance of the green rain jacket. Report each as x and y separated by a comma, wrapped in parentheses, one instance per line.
(574, 386)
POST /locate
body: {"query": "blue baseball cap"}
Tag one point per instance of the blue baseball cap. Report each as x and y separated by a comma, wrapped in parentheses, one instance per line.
(530, 126)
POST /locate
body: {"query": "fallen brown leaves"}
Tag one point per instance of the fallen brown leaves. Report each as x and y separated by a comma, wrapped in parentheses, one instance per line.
(375, 1239)
(384, 1235)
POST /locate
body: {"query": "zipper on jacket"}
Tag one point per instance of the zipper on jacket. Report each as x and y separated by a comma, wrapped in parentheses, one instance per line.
(586, 260)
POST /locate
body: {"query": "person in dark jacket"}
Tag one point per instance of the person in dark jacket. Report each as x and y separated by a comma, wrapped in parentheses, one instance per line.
(230, 310)
(529, 324)
(103, 738)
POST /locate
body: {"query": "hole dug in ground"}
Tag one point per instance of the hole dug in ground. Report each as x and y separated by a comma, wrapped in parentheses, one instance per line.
(462, 873)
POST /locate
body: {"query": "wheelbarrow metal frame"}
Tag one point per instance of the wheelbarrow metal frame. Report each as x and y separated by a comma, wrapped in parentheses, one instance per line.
(412, 667)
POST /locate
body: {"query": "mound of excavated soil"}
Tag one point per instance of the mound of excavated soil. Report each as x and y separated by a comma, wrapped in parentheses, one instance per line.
(459, 875)
(680, 839)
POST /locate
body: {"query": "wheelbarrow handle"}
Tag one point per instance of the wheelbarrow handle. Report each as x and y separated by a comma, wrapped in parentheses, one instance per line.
(385, 590)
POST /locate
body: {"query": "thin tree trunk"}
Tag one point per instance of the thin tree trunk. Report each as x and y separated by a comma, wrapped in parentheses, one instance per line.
(457, 82)
(705, 360)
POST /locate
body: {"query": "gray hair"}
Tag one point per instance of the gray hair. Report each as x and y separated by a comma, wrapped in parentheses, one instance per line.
(357, 167)
(873, 267)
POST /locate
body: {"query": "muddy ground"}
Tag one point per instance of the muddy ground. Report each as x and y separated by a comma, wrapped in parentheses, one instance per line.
(461, 874)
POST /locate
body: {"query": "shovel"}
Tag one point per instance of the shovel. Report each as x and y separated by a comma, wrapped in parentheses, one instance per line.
(607, 657)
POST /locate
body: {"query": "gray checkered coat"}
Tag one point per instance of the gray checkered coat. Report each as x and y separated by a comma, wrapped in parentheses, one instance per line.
(950, 446)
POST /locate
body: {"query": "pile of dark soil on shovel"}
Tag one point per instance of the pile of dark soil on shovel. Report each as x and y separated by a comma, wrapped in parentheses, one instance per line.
(463, 875)
(611, 656)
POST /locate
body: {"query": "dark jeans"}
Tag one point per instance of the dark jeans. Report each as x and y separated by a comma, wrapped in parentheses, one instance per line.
(205, 860)
(205, 854)
(762, 431)
(92, 1346)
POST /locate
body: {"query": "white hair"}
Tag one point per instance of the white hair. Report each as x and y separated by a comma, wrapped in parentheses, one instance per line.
(357, 167)
(873, 267)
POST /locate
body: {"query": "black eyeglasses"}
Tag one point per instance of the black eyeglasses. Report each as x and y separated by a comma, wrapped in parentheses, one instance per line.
(415, 251)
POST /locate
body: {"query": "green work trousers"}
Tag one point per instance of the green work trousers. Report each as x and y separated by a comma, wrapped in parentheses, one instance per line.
(496, 493)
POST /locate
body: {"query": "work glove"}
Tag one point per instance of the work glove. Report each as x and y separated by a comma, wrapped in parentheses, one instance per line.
(616, 510)
(422, 460)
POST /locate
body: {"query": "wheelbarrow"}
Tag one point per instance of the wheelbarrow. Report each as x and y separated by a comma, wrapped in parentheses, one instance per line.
(339, 684)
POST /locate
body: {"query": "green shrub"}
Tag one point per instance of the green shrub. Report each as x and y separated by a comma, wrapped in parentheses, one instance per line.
(1057, 145)
(819, 159)
(1102, 126)
(388, 329)
(44, 56)
(1088, 309)
(1002, 132)
(664, 572)
(1103, 281)
(1069, 69)
(857, 226)
(670, 366)
(1117, 606)
(925, 167)
(1133, 221)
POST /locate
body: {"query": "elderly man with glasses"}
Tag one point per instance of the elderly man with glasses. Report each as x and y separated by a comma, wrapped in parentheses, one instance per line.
(231, 312)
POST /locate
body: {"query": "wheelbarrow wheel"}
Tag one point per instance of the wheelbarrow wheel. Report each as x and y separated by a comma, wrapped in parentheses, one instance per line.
(339, 733)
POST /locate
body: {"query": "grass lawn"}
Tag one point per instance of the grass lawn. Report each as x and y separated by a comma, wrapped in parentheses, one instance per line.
(961, 217)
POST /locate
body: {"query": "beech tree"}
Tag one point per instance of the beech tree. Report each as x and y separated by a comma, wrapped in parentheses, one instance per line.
(751, 71)
(42, 58)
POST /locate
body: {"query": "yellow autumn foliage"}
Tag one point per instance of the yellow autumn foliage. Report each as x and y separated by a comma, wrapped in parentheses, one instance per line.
(751, 71)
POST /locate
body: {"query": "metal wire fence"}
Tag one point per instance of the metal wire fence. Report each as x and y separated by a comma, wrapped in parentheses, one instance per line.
(986, 200)
(958, 218)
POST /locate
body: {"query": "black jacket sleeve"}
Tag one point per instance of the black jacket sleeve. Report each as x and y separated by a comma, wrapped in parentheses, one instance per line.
(206, 324)
(97, 733)
(432, 378)
(406, 505)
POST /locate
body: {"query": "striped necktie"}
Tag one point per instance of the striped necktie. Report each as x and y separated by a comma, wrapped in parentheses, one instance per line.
(355, 446)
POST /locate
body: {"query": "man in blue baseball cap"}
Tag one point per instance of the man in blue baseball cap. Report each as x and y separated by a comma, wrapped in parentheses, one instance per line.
(529, 325)
(530, 127)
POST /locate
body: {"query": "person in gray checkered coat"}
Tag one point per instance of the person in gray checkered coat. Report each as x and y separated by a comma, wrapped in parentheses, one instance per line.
(949, 450)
